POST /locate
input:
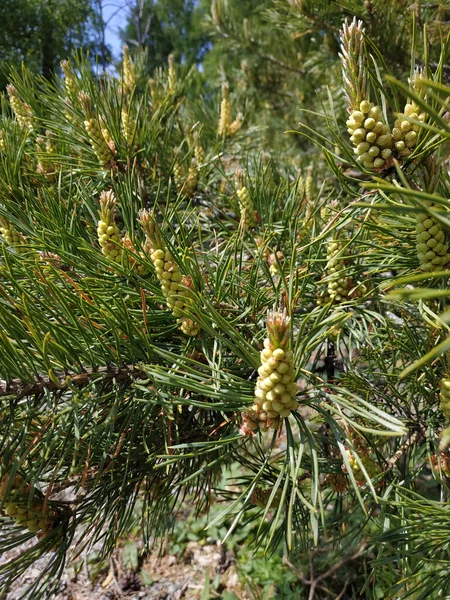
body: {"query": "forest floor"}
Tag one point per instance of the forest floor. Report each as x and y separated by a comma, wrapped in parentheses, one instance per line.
(160, 577)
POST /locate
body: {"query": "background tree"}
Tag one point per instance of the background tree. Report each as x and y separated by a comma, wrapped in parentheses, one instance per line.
(43, 32)
(163, 28)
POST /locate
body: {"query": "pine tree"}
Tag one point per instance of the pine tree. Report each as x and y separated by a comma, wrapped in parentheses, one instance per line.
(157, 323)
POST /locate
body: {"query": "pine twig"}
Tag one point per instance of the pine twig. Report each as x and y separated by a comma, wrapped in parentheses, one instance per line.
(412, 439)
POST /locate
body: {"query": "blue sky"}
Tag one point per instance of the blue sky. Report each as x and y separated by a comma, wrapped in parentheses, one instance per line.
(114, 14)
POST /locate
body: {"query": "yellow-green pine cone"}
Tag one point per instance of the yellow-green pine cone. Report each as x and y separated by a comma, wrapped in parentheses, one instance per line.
(225, 112)
(175, 287)
(15, 499)
(107, 230)
(172, 75)
(190, 185)
(2, 141)
(12, 237)
(70, 81)
(338, 281)
(246, 207)
(432, 249)
(245, 201)
(370, 136)
(93, 127)
(323, 297)
(107, 136)
(134, 264)
(199, 153)
(370, 467)
(276, 387)
(129, 72)
(405, 133)
(444, 397)
(236, 124)
(128, 126)
(45, 148)
(21, 109)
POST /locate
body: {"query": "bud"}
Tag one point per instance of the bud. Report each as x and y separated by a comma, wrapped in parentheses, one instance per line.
(190, 185)
(236, 124)
(276, 387)
(353, 58)
(199, 153)
(309, 184)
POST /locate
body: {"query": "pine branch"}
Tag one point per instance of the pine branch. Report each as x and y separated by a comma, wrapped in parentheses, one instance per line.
(20, 389)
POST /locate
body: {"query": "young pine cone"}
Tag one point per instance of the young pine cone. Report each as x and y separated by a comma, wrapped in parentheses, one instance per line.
(444, 397)
(15, 502)
(404, 132)
(104, 152)
(107, 230)
(432, 251)
(338, 281)
(245, 202)
(12, 237)
(370, 136)
(276, 387)
(70, 80)
(370, 467)
(225, 112)
(22, 111)
(174, 286)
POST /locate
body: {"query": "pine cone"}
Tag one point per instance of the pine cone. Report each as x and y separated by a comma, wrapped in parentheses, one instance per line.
(276, 387)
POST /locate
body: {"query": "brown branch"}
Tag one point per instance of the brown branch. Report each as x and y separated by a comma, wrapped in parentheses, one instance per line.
(20, 389)
(413, 438)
